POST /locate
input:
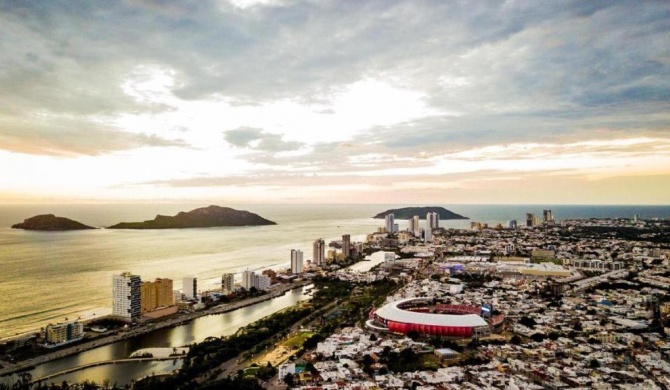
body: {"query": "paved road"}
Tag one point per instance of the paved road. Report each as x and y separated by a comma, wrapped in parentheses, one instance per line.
(98, 342)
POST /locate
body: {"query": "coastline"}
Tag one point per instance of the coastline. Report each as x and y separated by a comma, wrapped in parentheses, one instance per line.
(147, 328)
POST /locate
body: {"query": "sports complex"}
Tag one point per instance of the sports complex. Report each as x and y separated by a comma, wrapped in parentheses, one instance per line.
(429, 319)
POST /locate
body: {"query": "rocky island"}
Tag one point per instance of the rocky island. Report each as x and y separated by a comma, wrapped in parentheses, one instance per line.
(50, 223)
(409, 212)
(211, 216)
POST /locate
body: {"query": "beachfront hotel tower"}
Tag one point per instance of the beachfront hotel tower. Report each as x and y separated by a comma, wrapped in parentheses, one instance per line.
(126, 296)
(190, 287)
(296, 261)
(156, 294)
(228, 283)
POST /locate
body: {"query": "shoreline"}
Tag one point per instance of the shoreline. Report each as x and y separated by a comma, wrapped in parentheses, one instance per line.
(146, 328)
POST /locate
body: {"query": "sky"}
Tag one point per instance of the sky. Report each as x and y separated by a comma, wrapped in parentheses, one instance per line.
(283, 101)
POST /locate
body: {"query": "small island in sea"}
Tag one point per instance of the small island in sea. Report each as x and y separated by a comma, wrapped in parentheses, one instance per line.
(212, 216)
(50, 223)
(410, 212)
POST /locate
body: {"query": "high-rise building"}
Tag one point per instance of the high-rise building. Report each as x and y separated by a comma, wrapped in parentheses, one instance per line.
(428, 234)
(547, 216)
(414, 225)
(530, 219)
(346, 246)
(319, 253)
(164, 295)
(389, 222)
(511, 224)
(296, 261)
(156, 294)
(190, 287)
(262, 282)
(247, 279)
(227, 283)
(126, 296)
(147, 297)
(432, 220)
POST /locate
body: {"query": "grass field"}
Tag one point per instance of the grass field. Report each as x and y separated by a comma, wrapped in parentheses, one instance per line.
(297, 340)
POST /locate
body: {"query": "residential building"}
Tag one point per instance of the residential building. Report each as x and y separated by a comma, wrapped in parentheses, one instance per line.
(228, 283)
(530, 219)
(414, 225)
(64, 332)
(247, 279)
(319, 253)
(346, 246)
(389, 223)
(261, 282)
(428, 234)
(126, 296)
(296, 261)
(190, 288)
(432, 220)
(156, 294)
(547, 216)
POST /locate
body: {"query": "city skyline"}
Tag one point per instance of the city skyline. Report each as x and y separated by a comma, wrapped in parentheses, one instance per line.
(263, 101)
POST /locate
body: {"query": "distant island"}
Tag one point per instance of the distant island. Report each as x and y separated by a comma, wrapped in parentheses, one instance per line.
(50, 223)
(211, 216)
(410, 212)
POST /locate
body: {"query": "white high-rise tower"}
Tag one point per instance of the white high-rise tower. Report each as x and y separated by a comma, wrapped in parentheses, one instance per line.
(296, 261)
(126, 296)
(190, 287)
(390, 223)
(247, 279)
(432, 221)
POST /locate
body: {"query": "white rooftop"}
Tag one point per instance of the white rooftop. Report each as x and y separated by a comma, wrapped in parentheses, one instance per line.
(392, 312)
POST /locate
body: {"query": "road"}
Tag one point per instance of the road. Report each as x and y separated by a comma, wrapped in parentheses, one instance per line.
(98, 342)
(231, 366)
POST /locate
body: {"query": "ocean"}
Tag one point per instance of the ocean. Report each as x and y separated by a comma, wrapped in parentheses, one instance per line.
(50, 276)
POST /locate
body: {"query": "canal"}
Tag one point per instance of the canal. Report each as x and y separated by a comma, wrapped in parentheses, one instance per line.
(215, 325)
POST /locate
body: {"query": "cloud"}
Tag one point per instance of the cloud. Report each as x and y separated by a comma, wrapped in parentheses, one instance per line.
(257, 139)
(71, 138)
(334, 88)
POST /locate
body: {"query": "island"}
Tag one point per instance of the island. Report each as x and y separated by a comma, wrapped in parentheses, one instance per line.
(50, 223)
(410, 212)
(212, 216)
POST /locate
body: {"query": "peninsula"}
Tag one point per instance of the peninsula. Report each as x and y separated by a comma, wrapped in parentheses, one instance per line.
(50, 223)
(211, 216)
(409, 212)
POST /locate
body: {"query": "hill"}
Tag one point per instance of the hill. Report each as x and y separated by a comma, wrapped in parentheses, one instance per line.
(409, 212)
(50, 223)
(211, 216)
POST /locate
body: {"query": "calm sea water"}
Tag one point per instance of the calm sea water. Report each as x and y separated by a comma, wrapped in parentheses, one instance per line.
(47, 277)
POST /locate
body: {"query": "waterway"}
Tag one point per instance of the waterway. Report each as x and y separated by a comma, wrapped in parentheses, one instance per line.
(195, 331)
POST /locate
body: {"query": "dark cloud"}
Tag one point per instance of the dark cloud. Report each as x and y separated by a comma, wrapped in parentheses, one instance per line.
(536, 72)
